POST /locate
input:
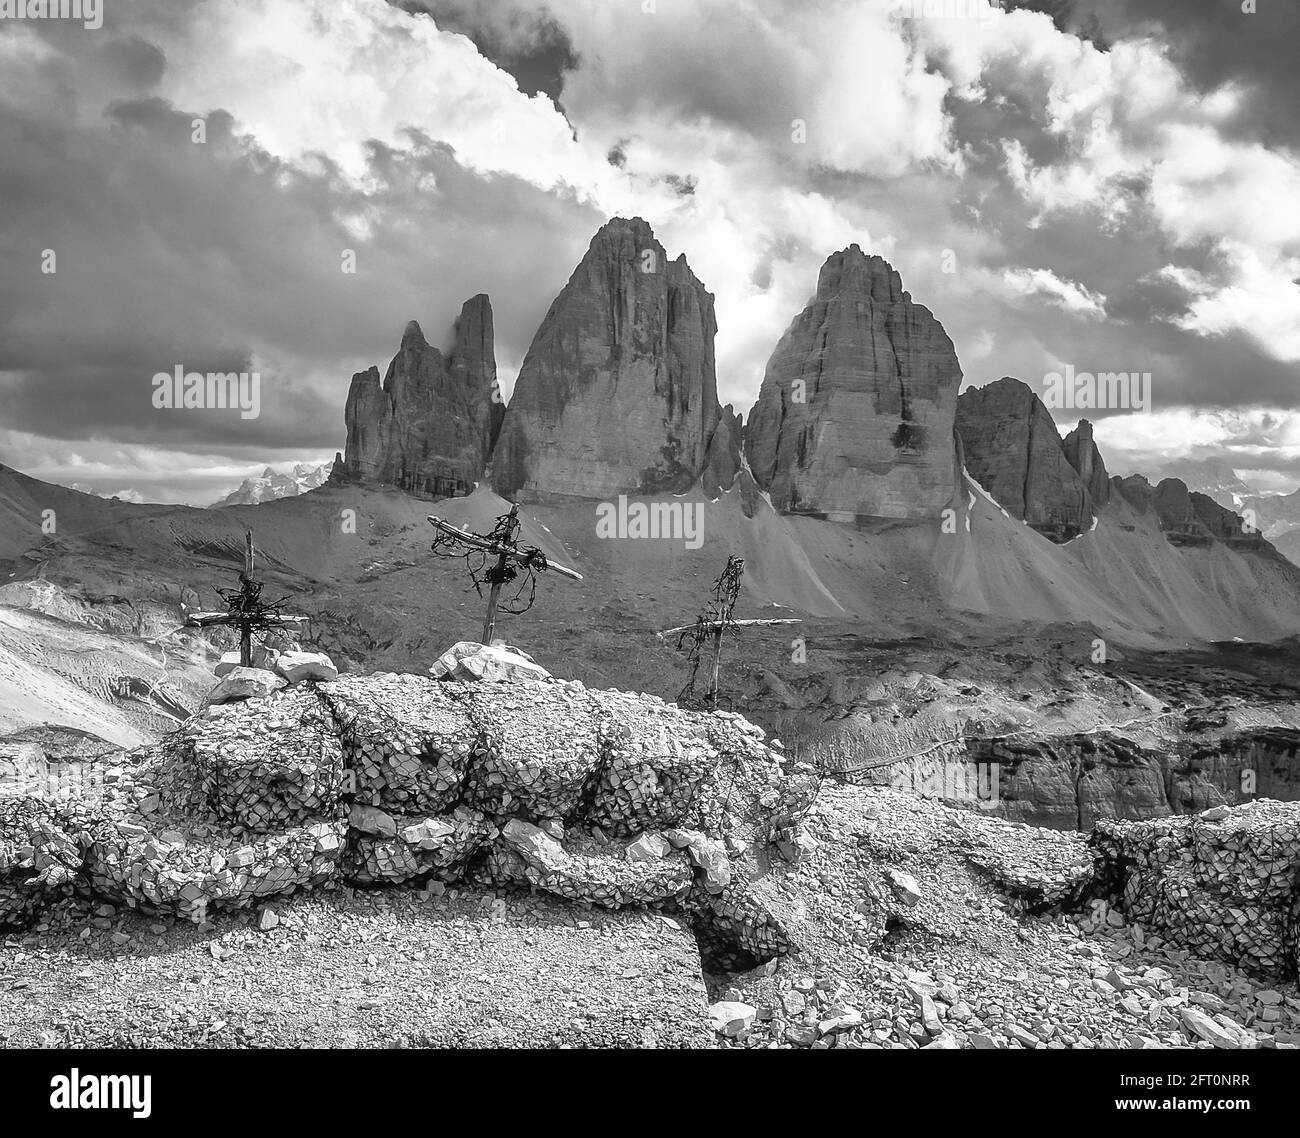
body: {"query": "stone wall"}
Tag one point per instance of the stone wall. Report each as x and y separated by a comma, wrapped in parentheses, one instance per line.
(607, 798)
(1224, 884)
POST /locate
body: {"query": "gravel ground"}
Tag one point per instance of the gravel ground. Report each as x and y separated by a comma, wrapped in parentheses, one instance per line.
(991, 975)
(959, 964)
(363, 969)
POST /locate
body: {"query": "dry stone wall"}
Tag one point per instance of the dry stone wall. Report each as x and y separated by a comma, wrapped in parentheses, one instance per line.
(1224, 884)
(606, 798)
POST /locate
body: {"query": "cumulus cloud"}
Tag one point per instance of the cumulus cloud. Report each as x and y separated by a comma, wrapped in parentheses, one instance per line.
(1048, 200)
(1064, 294)
(1260, 441)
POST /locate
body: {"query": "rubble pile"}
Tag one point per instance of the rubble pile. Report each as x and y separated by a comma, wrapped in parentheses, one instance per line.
(654, 768)
(187, 875)
(124, 847)
(1222, 884)
(386, 848)
(735, 929)
(1039, 868)
(904, 939)
(38, 861)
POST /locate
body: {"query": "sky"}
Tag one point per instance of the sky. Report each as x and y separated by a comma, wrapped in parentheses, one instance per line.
(1110, 185)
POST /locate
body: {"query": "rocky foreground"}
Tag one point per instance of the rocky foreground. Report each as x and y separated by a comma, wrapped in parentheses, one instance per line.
(975, 951)
(577, 867)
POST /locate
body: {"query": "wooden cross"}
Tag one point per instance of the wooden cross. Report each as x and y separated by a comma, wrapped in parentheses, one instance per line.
(712, 626)
(503, 544)
(246, 610)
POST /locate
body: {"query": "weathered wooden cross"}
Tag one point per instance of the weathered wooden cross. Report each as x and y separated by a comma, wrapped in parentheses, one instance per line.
(503, 544)
(711, 626)
(246, 610)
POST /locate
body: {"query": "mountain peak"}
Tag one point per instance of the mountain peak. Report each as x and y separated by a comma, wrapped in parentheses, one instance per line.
(1013, 449)
(270, 486)
(618, 390)
(870, 275)
(413, 336)
(855, 413)
(431, 425)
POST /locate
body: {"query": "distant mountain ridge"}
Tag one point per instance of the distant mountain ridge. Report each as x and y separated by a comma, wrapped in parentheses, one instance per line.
(270, 485)
(1212, 476)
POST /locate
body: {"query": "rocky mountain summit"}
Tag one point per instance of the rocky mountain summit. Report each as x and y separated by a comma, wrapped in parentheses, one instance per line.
(1060, 486)
(855, 413)
(618, 391)
(430, 426)
(1012, 449)
(1082, 454)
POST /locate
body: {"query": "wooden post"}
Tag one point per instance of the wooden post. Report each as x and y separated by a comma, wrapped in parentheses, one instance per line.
(503, 559)
(711, 627)
(501, 544)
(244, 609)
(717, 660)
(246, 625)
(490, 620)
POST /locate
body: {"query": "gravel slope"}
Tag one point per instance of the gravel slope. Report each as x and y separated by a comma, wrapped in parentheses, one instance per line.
(994, 976)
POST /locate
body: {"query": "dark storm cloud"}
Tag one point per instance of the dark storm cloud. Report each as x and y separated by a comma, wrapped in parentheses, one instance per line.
(1215, 42)
(529, 45)
(1138, 330)
(219, 257)
(131, 62)
(226, 256)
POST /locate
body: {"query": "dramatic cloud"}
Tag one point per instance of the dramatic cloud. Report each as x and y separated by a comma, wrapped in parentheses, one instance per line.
(1064, 294)
(1081, 185)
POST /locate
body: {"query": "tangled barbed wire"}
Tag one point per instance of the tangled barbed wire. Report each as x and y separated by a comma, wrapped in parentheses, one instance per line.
(246, 605)
(709, 628)
(488, 569)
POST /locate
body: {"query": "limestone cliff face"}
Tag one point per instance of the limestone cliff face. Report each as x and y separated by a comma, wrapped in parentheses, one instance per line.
(1058, 486)
(430, 426)
(1013, 450)
(722, 457)
(1072, 781)
(618, 391)
(855, 412)
(1082, 453)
